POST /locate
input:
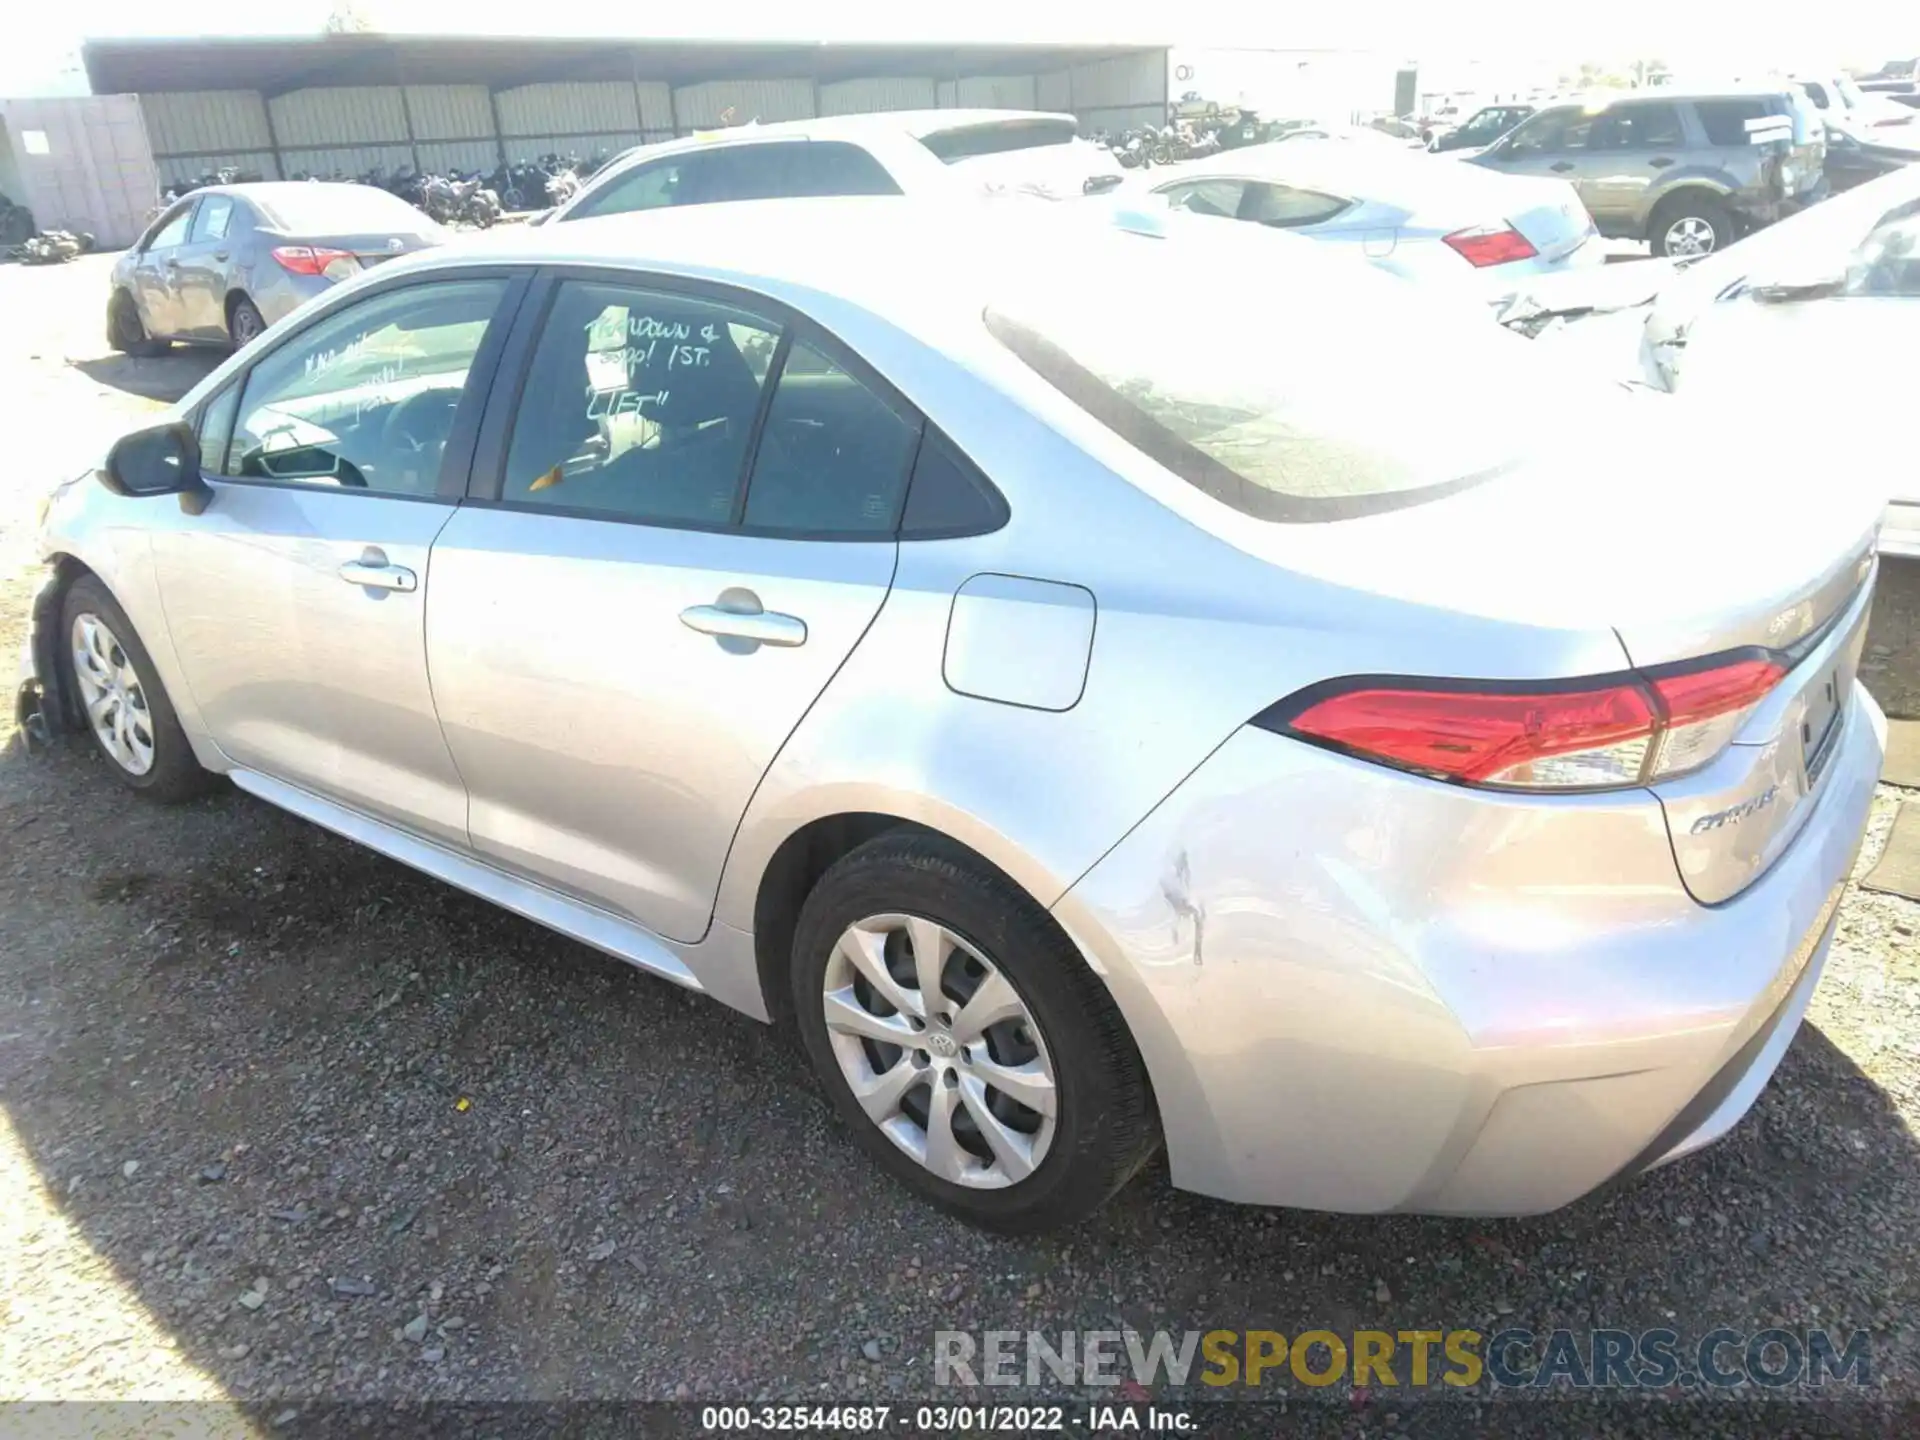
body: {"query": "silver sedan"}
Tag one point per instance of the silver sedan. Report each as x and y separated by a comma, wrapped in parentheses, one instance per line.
(1029, 661)
(1415, 215)
(222, 264)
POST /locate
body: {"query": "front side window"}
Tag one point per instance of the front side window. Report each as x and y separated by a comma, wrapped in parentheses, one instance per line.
(173, 230)
(639, 404)
(1817, 92)
(1888, 263)
(366, 399)
(214, 217)
(216, 430)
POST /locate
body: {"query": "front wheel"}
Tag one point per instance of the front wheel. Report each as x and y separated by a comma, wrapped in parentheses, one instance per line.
(125, 330)
(126, 711)
(961, 1036)
(1690, 227)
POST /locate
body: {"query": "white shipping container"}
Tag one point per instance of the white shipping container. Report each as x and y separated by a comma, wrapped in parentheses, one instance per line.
(192, 122)
(344, 115)
(699, 107)
(990, 92)
(599, 107)
(82, 163)
(450, 112)
(878, 93)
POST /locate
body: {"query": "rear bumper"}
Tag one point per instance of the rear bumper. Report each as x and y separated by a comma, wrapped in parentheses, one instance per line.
(278, 293)
(1360, 991)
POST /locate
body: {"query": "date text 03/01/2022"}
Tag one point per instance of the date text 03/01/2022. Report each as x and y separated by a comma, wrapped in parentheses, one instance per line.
(1100, 1419)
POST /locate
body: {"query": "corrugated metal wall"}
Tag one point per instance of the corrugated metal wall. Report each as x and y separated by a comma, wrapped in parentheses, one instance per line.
(350, 129)
(97, 173)
(989, 92)
(338, 117)
(699, 107)
(870, 96)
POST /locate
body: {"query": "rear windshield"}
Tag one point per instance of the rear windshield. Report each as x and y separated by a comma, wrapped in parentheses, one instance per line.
(339, 210)
(996, 137)
(1281, 401)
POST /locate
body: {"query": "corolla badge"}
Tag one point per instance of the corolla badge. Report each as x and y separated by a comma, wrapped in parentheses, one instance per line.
(1734, 814)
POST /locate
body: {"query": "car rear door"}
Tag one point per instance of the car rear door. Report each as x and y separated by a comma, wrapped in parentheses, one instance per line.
(681, 522)
(1631, 145)
(200, 269)
(296, 598)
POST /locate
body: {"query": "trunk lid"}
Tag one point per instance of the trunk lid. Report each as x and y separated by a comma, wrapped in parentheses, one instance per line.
(1548, 212)
(370, 247)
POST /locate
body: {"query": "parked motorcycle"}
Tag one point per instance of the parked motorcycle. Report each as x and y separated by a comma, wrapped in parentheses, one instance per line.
(52, 247)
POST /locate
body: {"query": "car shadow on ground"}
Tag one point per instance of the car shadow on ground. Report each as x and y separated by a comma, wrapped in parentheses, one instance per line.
(469, 1158)
(161, 377)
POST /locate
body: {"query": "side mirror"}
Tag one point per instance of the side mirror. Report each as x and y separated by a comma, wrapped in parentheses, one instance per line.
(161, 460)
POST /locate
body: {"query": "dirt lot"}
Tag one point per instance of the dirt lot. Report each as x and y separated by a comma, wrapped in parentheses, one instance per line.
(282, 1121)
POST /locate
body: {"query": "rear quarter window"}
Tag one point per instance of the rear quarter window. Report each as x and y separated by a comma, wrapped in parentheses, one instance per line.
(997, 137)
(1725, 121)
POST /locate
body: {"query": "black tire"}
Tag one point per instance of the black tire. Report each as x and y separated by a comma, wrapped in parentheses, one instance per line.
(245, 323)
(1696, 208)
(174, 774)
(126, 333)
(1105, 1125)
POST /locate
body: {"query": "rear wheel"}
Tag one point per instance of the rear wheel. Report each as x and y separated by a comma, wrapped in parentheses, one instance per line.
(245, 324)
(126, 711)
(963, 1039)
(1690, 226)
(125, 332)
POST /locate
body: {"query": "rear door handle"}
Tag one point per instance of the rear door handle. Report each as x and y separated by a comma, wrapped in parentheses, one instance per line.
(222, 255)
(1561, 165)
(373, 569)
(1661, 162)
(732, 620)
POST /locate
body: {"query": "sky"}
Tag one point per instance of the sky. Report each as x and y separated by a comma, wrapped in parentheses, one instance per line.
(42, 40)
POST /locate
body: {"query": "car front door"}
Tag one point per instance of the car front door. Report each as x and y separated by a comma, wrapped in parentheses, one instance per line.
(1628, 150)
(297, 598)
(155, 272)
(200, 267)
(683, 521)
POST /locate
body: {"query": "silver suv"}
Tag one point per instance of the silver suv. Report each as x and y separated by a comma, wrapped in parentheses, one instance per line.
(1687, 172)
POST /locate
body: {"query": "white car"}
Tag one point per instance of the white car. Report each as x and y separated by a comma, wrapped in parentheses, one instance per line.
(1819, 310)
(1411, 214)
(940, 153)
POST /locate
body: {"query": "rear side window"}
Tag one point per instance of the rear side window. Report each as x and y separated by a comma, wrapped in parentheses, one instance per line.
(1285, 207)
(948, 495)
(1208, 197)
(213, 218)
(1725, 121)
(1552, 131)
(967, 142)
(834, 455)
(645, 187)
(1817, 92)
(1638, 127)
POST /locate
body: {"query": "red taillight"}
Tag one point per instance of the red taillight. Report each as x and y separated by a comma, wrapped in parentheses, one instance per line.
(314, 259)
(1491, 245)
(1621, 731)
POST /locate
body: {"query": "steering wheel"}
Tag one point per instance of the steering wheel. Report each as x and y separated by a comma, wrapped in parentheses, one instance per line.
(419, 423)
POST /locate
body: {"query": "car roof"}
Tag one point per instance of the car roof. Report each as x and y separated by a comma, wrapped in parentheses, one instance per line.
(1738, 90)
(1385, 171)
(915, 124)
(267, 191)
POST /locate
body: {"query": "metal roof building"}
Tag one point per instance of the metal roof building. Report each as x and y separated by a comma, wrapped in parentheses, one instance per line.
(347, 104)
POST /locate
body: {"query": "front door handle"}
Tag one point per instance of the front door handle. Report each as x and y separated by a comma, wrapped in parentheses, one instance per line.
(220, 255)
(1661, 162)
(737, 616)
(1562, 166)
(372, 569)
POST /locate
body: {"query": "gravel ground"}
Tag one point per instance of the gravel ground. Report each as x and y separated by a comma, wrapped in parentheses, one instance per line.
(282, 1121)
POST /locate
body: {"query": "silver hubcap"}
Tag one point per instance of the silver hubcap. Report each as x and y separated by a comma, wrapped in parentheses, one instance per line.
(940, 1050)
(110, 689)
(245, 327)
(1689, 235)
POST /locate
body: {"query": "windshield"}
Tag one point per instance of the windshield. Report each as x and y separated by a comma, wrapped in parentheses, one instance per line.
(1278, 399)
